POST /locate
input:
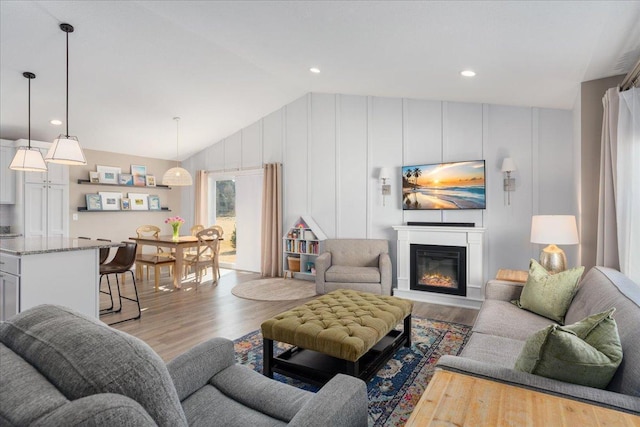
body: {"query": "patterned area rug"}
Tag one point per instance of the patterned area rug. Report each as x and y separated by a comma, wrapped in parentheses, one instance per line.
(395, 390)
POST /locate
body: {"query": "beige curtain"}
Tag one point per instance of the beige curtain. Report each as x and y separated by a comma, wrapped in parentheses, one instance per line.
(202, 199)
(271, 265)
(607, 238)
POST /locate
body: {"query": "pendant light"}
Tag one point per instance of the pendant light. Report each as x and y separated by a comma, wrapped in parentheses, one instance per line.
(177, 176)
(66, 149)
(27, 158)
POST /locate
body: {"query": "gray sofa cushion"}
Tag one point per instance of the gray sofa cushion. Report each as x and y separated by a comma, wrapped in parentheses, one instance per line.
(356, 252)
(501, 318)
(341, 273)
(82, 357)
(493, 349)
(259, 392)
(25, 395)
(210, 407)
(106, 409)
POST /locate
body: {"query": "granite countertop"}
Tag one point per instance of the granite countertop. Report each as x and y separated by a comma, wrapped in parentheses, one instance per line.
(37, 245)
(9, 235)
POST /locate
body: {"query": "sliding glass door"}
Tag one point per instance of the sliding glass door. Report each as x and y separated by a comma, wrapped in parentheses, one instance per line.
(235, 204)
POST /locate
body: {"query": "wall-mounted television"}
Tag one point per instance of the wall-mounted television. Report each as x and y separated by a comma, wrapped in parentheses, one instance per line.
(455, 185)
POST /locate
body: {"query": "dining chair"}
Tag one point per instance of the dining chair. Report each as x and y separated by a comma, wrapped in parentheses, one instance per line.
(121, 263)
(221, 234)
(194, 232)
(196, 229)
(102, 258)
(205, 256)
(156, 259)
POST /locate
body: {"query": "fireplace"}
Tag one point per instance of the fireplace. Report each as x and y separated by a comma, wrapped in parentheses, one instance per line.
(440, 269)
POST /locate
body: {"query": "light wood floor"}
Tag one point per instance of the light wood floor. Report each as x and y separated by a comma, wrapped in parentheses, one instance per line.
(173, 321)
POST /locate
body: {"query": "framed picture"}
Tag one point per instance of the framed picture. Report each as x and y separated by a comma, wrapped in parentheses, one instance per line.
(139, 201)
(114, 169)
(110, 201)
(94, 177)
(125, 179)
(94, 202)
(151, 181)
(108, 178)
(139, 181)
(125, 204)
(154, 203)
(138, 170)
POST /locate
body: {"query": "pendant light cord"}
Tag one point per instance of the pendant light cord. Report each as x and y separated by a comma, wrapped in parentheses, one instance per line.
(29, 114)
(177, 119)
(67, 83)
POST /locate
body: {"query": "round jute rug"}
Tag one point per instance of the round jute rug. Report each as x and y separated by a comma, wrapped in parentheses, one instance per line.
(275, 289)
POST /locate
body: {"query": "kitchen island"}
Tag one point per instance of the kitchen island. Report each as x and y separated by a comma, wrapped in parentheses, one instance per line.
(52, 270)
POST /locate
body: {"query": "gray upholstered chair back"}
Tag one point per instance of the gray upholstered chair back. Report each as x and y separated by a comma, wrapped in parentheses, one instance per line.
(81, 357)
(601, 289)
(356, 252)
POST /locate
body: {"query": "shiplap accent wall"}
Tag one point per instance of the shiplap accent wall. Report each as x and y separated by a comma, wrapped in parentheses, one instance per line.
(332, 147)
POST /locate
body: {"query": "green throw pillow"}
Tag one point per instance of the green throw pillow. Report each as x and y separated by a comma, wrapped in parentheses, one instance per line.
(549, 295)
(586, 353)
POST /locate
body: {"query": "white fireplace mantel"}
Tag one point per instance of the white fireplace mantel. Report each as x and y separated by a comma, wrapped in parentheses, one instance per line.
(470, 237)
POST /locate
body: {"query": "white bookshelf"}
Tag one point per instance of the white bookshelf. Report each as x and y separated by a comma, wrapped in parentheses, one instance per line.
(303, 240)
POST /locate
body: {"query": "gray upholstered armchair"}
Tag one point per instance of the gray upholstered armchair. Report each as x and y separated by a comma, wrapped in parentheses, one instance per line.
(358, 264)
(60, 368)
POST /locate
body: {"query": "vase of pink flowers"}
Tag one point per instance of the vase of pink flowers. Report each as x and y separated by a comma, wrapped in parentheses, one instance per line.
(175, 222)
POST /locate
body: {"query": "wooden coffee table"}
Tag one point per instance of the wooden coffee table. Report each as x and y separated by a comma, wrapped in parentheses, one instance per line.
(343, 331)
(454, 399)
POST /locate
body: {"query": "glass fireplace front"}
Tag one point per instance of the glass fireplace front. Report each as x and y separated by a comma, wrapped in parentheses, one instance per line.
(441, 269)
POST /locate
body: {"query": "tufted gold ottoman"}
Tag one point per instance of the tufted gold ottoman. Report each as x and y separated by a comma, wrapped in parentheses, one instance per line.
(344, 331)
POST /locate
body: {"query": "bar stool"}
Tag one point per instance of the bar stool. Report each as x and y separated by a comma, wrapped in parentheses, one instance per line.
(121, 264)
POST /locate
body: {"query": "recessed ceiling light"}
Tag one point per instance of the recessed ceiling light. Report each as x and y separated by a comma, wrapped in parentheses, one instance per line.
(314, 70)
(56, 122)
(468, 73)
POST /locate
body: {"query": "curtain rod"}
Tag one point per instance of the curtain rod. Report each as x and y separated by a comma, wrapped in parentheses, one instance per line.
(632, 78)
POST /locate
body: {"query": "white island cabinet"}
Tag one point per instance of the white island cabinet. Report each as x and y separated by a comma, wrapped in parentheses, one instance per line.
(60, 271)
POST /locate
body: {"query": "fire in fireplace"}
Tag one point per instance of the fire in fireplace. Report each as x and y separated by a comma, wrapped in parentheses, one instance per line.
(439, 269)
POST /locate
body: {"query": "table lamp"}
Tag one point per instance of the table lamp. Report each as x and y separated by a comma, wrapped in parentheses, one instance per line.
(554, 230)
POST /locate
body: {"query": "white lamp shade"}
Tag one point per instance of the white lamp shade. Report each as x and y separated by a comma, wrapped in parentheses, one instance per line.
(28, 159)
(385, 173)
(554, 229)
(177, 177)
(508, 165)
(66, 150)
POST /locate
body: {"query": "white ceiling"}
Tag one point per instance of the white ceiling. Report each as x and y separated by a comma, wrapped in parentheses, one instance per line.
(222, 65)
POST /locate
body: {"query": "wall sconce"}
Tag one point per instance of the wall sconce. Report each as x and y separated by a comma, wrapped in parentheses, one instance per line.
(508, 166)
(385, 175)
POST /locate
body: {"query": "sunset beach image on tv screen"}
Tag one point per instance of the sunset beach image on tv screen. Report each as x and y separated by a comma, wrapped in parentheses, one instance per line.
(459, 185)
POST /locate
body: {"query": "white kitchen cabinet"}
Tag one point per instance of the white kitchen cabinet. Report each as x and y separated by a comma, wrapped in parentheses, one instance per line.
(46, 210)
(45, 199)
(9, 286)
(7, 176)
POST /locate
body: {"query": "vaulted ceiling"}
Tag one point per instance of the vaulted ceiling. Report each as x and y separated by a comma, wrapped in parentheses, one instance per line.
(221, 65)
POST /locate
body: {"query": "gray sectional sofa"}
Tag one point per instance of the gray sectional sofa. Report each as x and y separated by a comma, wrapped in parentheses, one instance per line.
(60, 368)
(501, 329)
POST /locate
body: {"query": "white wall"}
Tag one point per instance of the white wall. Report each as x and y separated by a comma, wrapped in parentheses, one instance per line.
(332, 147)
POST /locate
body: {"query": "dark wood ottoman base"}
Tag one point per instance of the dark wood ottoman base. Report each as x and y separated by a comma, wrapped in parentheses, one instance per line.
(318, 368)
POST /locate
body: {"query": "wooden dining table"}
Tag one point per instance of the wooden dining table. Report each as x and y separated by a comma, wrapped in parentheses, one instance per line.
(179, 245)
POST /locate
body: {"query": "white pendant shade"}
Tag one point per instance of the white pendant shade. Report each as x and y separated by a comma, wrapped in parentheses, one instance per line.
(177, 177)
(66, 150)
(28, 159)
